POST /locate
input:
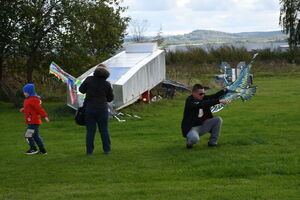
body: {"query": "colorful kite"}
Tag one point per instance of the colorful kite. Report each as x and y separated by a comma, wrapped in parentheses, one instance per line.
(240, 88)
(71, 82)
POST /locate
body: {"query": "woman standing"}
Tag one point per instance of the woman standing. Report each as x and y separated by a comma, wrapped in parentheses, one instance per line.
(98, 92)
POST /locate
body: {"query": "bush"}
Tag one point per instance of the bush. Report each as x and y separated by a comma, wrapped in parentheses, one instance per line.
(198, 55)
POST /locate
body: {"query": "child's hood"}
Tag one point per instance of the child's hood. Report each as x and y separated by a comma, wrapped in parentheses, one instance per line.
(30, 89)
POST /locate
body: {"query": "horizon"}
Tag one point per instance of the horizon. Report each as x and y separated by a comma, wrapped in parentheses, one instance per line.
(164, 34)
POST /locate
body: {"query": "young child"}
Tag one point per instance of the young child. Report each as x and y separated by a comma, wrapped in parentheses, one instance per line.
(33, 112)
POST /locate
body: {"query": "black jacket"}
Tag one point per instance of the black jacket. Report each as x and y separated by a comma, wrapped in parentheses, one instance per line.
(192, 108)
(98, 91)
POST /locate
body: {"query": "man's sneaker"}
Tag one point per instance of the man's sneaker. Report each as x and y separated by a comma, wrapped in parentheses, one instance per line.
(107, 152)
(31, 152)
(189, 146)
(211, 144)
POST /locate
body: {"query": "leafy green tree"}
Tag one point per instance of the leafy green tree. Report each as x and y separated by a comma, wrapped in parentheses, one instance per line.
(8, 30)
(72, 31)
(99, 32)
(41, 23)
(290, 21)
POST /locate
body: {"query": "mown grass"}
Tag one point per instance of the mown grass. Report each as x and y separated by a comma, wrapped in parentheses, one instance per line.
(258, 157)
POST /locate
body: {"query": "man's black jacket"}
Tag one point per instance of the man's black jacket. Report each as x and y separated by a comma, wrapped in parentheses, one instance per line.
(192, 108)
(98, 91)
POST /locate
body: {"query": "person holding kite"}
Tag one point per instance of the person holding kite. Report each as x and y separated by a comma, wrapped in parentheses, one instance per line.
(198, 119)
(98, 92)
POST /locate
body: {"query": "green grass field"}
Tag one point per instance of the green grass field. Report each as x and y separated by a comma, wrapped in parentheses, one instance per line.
(258, 157)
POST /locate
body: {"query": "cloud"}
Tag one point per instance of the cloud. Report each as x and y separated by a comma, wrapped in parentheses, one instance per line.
(257, 5)
(268, 5)
(223, 15)
(182, 3)
(233, 5)
(149, 5)
(209, 5)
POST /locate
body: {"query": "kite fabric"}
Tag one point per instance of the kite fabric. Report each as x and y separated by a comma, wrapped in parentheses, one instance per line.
(240, 88)
(71, 82)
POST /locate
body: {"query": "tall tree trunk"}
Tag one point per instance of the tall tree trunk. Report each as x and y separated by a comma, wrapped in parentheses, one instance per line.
(29, 73)
(1, 68)
(30, 66)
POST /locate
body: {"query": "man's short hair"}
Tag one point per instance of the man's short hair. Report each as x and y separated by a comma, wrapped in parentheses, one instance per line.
(197, 87)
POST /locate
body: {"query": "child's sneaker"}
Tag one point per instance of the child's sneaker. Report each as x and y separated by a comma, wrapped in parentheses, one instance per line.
(212, 144)
(43, 151)
(31, 151)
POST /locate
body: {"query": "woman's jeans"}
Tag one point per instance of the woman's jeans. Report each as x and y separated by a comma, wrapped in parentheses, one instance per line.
(92, 118)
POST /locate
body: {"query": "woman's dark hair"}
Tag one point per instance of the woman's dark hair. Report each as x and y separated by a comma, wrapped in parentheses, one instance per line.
(101, 71)
(197, 87)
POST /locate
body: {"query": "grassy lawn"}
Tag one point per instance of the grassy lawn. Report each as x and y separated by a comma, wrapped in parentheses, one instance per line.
(258, 157)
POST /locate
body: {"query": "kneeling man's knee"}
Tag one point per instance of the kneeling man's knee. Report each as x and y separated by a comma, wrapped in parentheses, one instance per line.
(193, 138)
(219, 120)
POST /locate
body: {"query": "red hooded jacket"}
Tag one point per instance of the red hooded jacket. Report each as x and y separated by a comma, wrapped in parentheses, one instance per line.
(33, 110)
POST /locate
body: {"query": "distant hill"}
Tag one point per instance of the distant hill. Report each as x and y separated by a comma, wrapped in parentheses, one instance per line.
(208, 36)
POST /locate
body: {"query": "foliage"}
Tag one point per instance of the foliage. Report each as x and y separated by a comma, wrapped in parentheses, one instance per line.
(212, 55)
(8, 30)
(75, 32)
(39, 26)
(198, 55)
(290, 20)
(259, 152)
(98, 32)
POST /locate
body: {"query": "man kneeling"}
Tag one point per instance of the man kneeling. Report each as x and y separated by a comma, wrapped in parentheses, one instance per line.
(198, 119)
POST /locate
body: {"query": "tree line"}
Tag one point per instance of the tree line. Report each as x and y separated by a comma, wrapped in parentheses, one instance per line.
(74, 33)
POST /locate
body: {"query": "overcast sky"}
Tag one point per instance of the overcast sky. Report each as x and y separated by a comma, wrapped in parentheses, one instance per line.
(184, 16)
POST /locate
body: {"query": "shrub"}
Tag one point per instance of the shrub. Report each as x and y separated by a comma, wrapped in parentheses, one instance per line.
(198, 55)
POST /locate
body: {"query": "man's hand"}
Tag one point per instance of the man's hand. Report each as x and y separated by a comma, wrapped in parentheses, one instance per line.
(223, 101)
(21, 109)
(47, 119)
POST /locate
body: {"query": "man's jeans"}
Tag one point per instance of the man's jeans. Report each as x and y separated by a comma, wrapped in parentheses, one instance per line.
(32, 136)
(212, 126)
(100, 117)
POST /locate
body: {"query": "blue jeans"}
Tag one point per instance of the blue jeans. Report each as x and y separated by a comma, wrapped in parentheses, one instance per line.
(32, 136)
(92, 118)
